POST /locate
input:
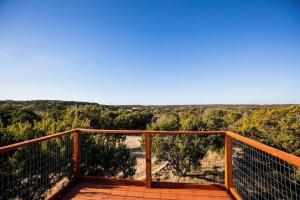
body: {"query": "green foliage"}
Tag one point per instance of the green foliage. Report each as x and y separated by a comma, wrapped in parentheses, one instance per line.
(6, 137)
(192, 122)
(20, 174)
(182, 152)
(22, 131)
(277, 126)
(108, 156)
(131, 121)
(24, 116)
(166, 122)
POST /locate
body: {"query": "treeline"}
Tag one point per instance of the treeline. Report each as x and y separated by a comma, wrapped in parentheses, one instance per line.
(278, 126)
(107, 155)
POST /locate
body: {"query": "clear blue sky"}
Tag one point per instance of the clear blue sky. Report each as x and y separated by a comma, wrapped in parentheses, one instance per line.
(151, 52)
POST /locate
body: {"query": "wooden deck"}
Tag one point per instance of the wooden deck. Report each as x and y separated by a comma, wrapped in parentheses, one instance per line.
(97, 191)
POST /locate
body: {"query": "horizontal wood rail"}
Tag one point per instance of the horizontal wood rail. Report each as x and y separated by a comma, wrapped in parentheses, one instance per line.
(174, 185)
(152, 132)
(265, 148)
(270, 150)
(111, 181)
(155, 184)
(229, 136)
(53, 136)
(33, 141)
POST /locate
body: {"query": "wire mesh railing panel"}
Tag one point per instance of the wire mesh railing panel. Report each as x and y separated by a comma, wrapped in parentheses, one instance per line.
(188, 158)
(36, 171)
(113, 156)
(259, 175)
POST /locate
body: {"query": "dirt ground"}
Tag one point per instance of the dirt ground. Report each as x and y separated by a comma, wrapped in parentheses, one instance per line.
(134, 143)
(211, 171)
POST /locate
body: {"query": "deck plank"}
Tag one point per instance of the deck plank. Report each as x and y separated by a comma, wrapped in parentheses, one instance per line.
(93, 191)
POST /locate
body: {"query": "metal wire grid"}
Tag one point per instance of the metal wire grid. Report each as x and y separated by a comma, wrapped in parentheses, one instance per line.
(175, 154)
(112, 156)
(34, 171)
(259, 175)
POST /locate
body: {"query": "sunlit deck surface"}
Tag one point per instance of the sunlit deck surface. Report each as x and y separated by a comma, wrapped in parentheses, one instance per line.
(93, 191)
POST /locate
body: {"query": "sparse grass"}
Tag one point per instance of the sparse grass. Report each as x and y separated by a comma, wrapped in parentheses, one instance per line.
(211, 171)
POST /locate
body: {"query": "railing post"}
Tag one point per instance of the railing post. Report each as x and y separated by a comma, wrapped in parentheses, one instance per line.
(228, 162)
(148, 160)
(76, 153)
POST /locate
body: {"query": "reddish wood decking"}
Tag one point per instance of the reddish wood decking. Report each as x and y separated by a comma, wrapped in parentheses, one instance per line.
(96, 191)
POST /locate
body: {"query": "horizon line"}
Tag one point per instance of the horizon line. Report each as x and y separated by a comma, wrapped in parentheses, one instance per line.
(204, 104)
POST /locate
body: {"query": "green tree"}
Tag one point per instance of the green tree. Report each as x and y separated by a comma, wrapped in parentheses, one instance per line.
(107, 155)
(183, 152)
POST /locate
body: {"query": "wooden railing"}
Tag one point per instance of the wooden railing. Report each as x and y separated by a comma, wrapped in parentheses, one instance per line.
(147, 134)
(236, 148)
(274, 174)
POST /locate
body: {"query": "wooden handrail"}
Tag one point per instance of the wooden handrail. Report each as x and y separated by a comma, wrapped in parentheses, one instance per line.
(152, 132)
(273, 151)
(52, 136)
(33, 141)
(270, 150)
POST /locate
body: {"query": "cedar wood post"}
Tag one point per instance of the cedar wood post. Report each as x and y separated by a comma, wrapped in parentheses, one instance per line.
(76, 153)
(228, 162)
(148, 160)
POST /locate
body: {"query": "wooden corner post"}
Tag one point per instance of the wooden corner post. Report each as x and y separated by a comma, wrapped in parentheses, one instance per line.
(228, 162)
(76, 153)
(148, 160)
